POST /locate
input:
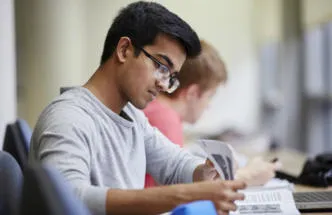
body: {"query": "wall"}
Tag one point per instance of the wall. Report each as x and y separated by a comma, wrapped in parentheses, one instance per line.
(51, 51)
(316, 12)
(66, 40)
(42, 73)
(7, 66)
(59, 43)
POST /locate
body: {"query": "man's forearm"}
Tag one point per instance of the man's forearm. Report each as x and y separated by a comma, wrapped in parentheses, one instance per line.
(163, 199)
(147, 201)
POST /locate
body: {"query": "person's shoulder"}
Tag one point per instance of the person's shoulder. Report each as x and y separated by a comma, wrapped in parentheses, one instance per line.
(155, 107)
(67, 108)
(156, 112)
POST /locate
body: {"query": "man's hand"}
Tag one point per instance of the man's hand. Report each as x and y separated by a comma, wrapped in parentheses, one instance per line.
(257, 171)
(222, 193)
(205, 172)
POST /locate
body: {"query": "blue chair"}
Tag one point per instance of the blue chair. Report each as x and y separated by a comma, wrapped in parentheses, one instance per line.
(195, 208)
(46, 192)
(64, 89)
(11, 180)
(25, 132)
(17, 141)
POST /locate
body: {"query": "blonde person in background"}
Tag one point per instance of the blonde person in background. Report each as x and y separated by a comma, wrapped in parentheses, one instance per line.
(199, 78)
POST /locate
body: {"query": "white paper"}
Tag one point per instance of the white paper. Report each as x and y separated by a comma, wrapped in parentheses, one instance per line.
(280, 183)
(267, 201)
(221, 156)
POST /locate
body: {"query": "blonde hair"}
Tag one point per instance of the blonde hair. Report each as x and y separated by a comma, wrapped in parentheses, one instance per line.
(207, 70)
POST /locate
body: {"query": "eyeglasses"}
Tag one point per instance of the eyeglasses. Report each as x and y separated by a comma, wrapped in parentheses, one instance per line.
(168, 80)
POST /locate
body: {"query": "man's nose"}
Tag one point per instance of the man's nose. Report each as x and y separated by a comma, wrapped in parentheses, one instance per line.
(161, 86)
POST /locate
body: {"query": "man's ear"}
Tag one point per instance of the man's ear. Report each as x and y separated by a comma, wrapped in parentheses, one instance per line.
(123, 49)
(192, 92)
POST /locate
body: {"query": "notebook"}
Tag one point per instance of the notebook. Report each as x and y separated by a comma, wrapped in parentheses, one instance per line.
(313, 201)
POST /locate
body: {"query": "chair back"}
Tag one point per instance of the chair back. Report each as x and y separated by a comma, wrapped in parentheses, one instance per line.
(25, 132)
(14, 144)
(46, 192)
(11, 181)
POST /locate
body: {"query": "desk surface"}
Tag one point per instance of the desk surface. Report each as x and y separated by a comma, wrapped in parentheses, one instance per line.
(292, 163)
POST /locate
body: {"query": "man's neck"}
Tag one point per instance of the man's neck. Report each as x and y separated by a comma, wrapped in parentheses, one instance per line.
(104, 87)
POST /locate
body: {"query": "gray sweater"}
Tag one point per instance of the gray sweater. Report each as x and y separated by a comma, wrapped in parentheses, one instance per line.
(96, 149)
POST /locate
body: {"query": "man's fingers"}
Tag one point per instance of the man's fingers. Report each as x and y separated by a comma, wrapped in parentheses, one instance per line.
(212, 175)
(277, 165)
(227, 206)
(217, 176)
(231, 195)
(236, 185)
(221, 212)
(209, 163)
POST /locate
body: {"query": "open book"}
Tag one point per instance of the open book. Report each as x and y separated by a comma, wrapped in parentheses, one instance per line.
(258, 200)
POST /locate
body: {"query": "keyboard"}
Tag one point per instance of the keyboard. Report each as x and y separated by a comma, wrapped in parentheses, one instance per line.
(313, 197)
(313, 201)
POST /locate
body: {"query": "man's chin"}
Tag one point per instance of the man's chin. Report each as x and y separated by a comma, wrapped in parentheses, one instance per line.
(141, 105)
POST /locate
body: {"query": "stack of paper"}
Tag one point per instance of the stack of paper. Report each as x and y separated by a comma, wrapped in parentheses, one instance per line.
(273, 198)
(267, 201)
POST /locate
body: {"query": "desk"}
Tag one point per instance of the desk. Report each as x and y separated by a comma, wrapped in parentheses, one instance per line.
(293, 162)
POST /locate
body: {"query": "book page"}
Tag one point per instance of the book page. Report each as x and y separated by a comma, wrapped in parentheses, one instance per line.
(221, 156)
(267, 201)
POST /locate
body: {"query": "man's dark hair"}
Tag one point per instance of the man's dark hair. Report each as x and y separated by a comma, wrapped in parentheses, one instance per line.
(142, 22)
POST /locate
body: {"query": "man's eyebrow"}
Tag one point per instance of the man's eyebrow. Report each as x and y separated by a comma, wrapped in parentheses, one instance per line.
(169, 62)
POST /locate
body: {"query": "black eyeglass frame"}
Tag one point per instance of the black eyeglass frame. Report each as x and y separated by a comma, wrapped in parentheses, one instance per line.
(172, 76)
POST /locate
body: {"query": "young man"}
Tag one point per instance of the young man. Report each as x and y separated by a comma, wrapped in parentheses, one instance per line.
(103, 145)
(199, 78)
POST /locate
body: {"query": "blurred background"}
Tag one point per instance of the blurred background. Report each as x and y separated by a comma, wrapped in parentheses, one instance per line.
(278, 54)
